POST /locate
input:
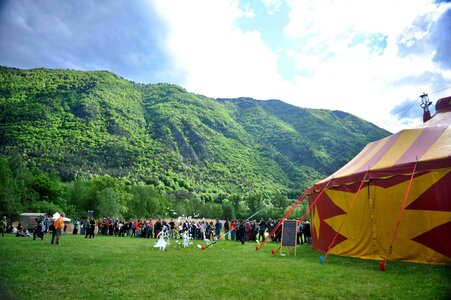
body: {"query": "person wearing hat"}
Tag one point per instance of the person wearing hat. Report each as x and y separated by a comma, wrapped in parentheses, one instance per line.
(59, 225)
(3, 225)
(307, 233)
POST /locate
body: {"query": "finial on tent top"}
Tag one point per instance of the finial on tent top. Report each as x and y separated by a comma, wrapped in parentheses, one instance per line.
(425, 103)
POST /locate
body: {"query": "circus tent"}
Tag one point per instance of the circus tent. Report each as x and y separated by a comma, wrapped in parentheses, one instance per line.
(393, 200)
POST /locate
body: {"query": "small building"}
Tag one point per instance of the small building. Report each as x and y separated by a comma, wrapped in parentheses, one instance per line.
(28, 220)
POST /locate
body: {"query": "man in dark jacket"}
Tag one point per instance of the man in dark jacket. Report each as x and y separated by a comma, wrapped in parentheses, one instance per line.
(242, 231)
(261, 229)
(306, 232)
(226, 228)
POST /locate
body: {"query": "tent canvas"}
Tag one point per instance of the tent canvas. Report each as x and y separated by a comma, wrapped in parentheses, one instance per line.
(57, 215)
(367, 228)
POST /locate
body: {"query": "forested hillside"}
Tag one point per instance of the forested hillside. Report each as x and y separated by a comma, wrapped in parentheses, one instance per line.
(80, 140)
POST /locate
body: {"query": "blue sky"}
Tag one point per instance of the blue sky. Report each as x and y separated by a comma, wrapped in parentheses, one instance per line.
(370, 58)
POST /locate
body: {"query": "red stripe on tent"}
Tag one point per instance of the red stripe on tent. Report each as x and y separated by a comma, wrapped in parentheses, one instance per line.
(326, 209)
(377, 157)
(391, 181)
(423, 166)
(326, 234)
(438, 239)
(422, 144)
(349, 188)
(436, 197)
(385, 183)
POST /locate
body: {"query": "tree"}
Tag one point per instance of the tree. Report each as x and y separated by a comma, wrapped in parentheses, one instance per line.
(255, 202)
(113, 202)
(235, 201)
(47, 187)
(227, 210)
(10, 204)
(146, 201)
(280, 202)
(82, 196)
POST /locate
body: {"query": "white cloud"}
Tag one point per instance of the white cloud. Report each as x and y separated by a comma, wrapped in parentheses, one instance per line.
(220, 59)
(272, 6)
(348, 52)
(354, 79)
(360, 56)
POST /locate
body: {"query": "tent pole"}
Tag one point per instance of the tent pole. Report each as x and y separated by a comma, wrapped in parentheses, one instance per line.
(289, 211)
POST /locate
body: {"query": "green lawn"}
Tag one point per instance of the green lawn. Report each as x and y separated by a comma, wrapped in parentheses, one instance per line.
(126, 268)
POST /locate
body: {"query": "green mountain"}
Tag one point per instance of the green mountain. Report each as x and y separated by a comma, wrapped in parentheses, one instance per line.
(80, 124)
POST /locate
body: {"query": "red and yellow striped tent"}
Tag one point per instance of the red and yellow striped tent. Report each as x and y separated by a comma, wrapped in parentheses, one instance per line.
(366, 219)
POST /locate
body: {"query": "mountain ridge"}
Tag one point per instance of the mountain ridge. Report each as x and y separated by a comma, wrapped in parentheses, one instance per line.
(85, 123)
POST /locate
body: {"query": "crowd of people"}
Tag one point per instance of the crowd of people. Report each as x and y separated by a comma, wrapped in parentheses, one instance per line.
(43, 225)
(235, 230)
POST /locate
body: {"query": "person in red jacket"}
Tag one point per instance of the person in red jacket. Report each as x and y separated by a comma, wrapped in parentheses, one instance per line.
(233, 230)
(137, 228)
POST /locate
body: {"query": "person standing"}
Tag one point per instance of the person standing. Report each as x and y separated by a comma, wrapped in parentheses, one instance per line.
(300, 233)
(52, 229)
(237, 230)
(157, 227)
(92, 227)
(149, 229)
(3, 225)
(254, 230)
(247, 230)
(59, 225)
(46, 224)
(137, 228)
(86, 227)
(270, 226)
(226, 229)
(242, 231)
(75, 230)
(38, 229)
(171, 228)
(218, 227)
(306, 232)
(261, 230)
(233, 231)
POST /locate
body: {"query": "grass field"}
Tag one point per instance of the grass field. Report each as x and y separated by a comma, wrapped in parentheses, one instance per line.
(126, 268)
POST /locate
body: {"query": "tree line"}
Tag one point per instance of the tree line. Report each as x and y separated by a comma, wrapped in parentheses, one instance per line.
(25, 189)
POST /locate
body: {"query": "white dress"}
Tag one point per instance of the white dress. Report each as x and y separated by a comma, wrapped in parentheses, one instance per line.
(161, 243)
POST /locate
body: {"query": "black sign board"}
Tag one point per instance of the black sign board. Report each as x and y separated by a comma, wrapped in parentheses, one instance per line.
(289, 233)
